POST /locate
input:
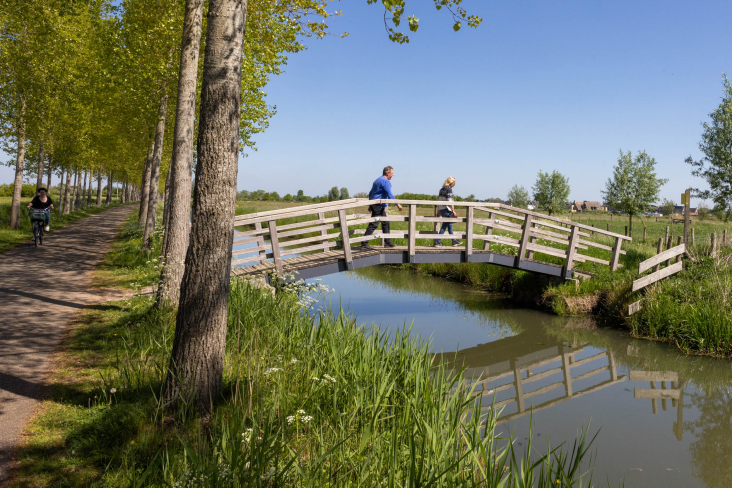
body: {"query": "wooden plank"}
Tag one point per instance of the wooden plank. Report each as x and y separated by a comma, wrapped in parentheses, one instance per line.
(323, 233)
(248, 240)
(249, 250)
(574, 224)
(653, 376)
(518, 385)
(597, 245)
(512, 216)
(571, 252)
(488, 232)
(274, 239)
(305, 209)
(378, 235)
(310, 230)
(532, 239)
(589, 359)
(659, 258)
(657, 275)
(438, 219)
(543, 389)
(246, 259)
(388, 218)
(656, 394)
(501, 226)
(508, 225)
(346, 239)
(541, 376)
(412, 237)
(551, 251)
(500, 240)
(617, 248)
(524, 242)
(317, 247)
(634, 307)
(567, 370)
(558, 241)
(306, 240)
(584, 257)
(431, 235)
(589, 374)
(468, 234)
(254, 232)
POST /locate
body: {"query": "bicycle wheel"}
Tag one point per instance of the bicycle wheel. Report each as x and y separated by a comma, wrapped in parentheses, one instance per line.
(35, 234)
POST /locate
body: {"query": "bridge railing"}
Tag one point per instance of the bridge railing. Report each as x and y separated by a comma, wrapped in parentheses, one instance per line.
(330, 227)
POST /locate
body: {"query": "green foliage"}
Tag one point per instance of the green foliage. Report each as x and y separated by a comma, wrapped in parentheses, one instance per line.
(518, 196)
(716, 165)
(27, 191)
(667, 207)
(344, 194)
(551, 191)
(361, 194)
(333, 194)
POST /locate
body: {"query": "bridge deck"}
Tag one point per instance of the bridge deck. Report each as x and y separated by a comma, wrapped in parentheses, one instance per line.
(324, 263)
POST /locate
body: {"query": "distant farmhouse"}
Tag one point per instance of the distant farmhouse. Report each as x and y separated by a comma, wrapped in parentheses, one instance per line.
(586, 206)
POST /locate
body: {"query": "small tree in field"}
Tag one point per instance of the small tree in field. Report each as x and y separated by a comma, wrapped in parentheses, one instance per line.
(634, 187)
(518, 196)
(667, 207)
(716, 165)
(551, 191)
(344, 194)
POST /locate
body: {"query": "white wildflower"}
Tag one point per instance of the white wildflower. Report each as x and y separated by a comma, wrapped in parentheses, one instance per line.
(272, 370)
(113, 390)
(327, 377)
(315, 378)
(294, 361)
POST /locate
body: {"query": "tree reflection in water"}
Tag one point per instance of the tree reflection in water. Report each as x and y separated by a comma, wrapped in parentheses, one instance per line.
(711, 453)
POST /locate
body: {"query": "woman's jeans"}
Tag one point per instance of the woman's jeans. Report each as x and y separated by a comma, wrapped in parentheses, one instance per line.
(446, 213)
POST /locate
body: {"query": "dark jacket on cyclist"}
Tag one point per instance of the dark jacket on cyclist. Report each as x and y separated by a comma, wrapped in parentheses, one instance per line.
(37, 203)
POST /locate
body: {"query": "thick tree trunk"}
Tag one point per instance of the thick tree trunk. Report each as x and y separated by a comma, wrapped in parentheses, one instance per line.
(67, 193)
(630, 225)
(90, 190)
(199, 345)
(75, 202)
(145, 188)
(41, 157)
(19, 163)
(152, 199)
(178, 206)
(166, 208)
(49, 170)
(99, 188)
(108, 198)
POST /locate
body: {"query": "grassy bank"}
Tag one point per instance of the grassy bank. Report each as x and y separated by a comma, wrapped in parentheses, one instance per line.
(309, 400)
(11, 238)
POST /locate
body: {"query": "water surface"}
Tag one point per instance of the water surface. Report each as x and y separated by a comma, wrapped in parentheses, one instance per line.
(665, 419)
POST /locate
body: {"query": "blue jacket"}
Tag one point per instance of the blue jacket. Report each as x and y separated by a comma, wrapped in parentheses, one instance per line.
(381, 189)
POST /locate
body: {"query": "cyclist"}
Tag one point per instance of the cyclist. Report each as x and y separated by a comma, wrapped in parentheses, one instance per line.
(43, 202)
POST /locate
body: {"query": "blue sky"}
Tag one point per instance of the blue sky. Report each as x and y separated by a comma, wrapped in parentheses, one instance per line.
(560, 85)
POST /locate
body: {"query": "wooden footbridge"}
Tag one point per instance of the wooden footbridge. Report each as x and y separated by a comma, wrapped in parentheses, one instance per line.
(316, 240)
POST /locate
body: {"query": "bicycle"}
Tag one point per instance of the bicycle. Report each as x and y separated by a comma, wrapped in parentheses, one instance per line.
(38, 219)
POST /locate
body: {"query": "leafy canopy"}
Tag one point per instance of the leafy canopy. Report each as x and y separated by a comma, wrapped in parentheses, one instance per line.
(518, 196)
(551, 191)
(634, 187)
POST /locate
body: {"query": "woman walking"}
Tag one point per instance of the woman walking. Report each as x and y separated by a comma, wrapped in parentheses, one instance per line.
(447, 211)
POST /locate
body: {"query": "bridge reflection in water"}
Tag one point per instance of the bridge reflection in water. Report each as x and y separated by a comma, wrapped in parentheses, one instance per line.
(546, 368)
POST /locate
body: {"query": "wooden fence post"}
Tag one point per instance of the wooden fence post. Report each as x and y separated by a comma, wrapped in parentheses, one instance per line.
(667, 232)
(324, 233)
(525, 234)
(468, 233)
(658, 251)
(678, 243)
(669, 244)
(345, 238)
(488, 232)
(714, 244)
(692, 237)
(607, 226)
(412, 237)
(724, 237)
(275, 245)
(616, 254)
(644, 234)
(532, 240)
(571, 251)
(260, 243)
(626, 231)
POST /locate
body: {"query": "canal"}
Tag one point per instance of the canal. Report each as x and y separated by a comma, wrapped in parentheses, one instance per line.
(664, 419)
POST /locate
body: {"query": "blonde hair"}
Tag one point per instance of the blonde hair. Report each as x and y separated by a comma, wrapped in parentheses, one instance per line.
(449, 181)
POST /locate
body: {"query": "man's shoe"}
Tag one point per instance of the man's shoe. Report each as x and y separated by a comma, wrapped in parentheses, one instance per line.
(456, 243)
(48, 228)
(365, 244)
(389, 244)
(439, 244)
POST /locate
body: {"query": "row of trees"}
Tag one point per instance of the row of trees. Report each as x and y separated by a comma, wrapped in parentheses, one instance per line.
(91, 88)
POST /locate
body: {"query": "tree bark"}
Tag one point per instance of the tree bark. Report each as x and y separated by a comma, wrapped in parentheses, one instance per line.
(83, 191)
(178, 207)
(199, 345)
(62, 193)
(91, 189)
(166, 208)
(108, 199)
(50, 173)
(152, 199)
(75, 200)
(41, 157)
(19, 163)
(99, 188)
(145, 188)
(67, 192)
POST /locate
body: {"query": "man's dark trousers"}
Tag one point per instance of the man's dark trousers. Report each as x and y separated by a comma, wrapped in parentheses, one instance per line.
(378, 211)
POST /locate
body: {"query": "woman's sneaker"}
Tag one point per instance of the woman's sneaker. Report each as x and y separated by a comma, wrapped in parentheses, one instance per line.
(456, 243)
(439, 244)
(48, 228)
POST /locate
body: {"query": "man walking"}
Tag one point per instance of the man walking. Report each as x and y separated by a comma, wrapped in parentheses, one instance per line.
(381, 189)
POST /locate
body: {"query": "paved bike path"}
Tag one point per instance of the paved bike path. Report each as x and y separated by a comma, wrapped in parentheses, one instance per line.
(41, 290)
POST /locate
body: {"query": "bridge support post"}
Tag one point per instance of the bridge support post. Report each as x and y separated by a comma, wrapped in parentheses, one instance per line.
(260, 244)
(324, 233)
(616, 254)
(532, 240)
(468, 234)
(412, 236)
(525, 235)
(275, 245)
(488, 232)
(345, 239)
(571, 251)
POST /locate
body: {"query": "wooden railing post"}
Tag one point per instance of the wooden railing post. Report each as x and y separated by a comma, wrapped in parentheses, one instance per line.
(345, 239)
(658, 251)
(532, 240)
(412, 237)
(571, 251)
(614, 261)
(518, 385)
(468, 234)
(488, 232)
(275, 245)
(713, 243)
(260, 243)
(567, 368)
(324, 233)
(524, 241)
